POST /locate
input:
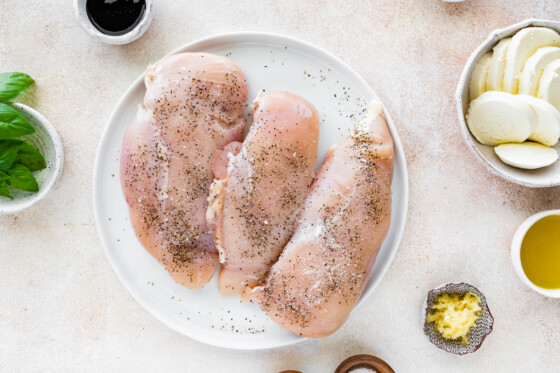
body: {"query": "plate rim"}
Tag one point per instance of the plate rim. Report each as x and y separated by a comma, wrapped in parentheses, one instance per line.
(398, 146)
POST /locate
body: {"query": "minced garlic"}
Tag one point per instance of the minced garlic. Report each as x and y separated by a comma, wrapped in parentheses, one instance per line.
(454, 314)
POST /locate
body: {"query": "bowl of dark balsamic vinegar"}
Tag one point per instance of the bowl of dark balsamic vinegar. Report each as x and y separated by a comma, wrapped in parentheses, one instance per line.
(114, 21)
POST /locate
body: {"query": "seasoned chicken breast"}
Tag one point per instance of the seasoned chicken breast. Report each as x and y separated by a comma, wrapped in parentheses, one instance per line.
(253, 209)
(324, 268)
(193, 108)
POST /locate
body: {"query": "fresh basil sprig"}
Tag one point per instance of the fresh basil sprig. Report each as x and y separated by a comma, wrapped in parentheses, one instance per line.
(13, 84)
(29, 156)
(13, 124)
(18, 159)
(4, 189)
(22, 178)
(8, 153)
(20, 152)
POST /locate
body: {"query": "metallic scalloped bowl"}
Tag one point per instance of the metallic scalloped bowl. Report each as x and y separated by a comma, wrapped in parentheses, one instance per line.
(477, 334)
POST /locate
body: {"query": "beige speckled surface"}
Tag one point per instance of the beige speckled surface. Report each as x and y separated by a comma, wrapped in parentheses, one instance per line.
(61, 305)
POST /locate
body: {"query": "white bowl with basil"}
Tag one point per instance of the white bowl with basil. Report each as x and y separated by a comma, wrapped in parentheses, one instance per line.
(31, 154)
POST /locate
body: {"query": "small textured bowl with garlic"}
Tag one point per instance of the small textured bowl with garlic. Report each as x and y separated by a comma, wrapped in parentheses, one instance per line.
(457, 318)
(508, 104)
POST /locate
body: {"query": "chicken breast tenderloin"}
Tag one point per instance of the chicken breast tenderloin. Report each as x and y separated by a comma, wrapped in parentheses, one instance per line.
(253, 209)
(193, 107)
(324, 268)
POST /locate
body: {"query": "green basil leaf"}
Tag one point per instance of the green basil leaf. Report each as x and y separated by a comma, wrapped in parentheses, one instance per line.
(29, 156)
(4, 176)
(12, 123)
(5, 190)
(22, 178)
(8, 152)
(13, 84)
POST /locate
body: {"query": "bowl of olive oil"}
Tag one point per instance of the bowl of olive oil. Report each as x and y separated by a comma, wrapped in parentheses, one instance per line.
(535, 252)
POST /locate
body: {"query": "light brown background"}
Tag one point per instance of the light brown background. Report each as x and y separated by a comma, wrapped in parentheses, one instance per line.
(61, 305)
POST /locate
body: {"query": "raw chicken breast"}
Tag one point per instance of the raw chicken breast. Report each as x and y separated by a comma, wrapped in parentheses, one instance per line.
(193, 108)
(253, 209)
(323, 270)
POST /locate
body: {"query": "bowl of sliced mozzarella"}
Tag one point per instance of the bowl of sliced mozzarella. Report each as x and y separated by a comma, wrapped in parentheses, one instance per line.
(508, 100)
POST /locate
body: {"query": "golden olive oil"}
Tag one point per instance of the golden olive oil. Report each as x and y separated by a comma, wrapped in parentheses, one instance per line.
(540, 253)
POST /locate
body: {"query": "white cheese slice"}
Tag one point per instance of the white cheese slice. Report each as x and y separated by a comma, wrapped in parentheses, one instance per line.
(549, 84)
(495, 78)
(478, 76)
(498, 117)
(547, 129)
(522, 46)
(534, 67)
(527, 155)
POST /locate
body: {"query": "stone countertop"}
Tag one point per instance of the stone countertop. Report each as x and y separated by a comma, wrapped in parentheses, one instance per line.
(63, 308)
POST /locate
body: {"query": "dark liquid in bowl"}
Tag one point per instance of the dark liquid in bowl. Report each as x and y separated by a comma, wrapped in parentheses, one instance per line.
(115, 17)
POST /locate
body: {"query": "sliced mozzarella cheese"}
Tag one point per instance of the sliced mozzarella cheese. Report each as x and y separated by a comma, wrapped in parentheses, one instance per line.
(522, 46)
(528, 155)
(549, 84)
(534, 67)
(495, 78)
(547, 129)
(478, 76)
(498, 117)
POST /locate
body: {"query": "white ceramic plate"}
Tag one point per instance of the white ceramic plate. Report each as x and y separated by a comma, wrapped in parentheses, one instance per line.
(269, 62)
(539, 178)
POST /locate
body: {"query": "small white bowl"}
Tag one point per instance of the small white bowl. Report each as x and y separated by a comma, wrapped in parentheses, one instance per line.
(129, 37)
(516, 252)
(539, 178)
(47, 141)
